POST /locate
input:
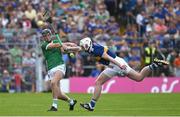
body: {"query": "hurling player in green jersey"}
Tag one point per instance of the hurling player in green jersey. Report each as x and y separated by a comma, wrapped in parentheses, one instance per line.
(52, 51)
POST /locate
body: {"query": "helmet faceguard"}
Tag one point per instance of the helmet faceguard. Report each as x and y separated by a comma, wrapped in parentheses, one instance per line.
(46, 33)
(86, 43)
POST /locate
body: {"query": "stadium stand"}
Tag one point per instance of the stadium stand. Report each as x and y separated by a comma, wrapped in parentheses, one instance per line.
(134, 29)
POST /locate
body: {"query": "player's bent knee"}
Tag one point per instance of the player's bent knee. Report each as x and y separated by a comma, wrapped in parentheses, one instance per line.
(139, 80)
(97, 83)
(135, 76)
(53, 83)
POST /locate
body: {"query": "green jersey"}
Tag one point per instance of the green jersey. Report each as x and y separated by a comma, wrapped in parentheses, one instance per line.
(53, 56)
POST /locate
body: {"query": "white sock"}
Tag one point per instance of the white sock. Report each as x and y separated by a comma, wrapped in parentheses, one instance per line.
(55, 103)
(71, 102)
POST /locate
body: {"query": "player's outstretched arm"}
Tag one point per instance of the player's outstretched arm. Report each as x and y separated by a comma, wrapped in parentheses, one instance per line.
(71, 47)
(69, 44)
(53, 45)
(107, 57)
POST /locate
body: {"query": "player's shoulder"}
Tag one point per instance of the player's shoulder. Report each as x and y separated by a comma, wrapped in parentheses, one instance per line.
(44, 43)
(97, 45)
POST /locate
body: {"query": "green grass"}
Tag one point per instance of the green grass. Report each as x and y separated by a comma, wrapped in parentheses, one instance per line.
(36, 104)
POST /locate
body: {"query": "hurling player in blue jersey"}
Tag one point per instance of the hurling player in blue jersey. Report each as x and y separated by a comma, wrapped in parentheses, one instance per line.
(115, 65)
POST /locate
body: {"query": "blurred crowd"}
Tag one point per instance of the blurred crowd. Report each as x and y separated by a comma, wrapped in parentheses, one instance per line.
(137, 30)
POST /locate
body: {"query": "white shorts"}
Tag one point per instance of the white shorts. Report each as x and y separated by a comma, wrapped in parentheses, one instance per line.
(52, 71)
(114, 70)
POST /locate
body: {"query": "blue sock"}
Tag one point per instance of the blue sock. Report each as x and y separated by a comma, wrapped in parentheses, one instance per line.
(93, 103)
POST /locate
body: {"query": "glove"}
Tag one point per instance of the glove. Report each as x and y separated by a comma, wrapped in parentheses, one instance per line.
(49, 20)
(123, 67)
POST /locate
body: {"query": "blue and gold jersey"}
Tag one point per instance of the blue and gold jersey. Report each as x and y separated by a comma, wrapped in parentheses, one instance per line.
(98, 50)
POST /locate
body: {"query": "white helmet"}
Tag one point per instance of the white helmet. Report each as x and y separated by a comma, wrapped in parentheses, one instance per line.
(86, 43)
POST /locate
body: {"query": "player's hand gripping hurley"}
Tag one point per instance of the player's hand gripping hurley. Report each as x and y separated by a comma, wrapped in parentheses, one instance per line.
(48, 19)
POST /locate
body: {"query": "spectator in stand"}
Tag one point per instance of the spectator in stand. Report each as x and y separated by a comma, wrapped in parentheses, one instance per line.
(171, 58)
(3, 46)
(26, 23)
(5, 81)
(28, 62)
(131, 32)
(140, 18)
(177, 65)
(4, 60)
(140, 6)
(74, 34)
(159, 27)
(125, 46)
(28, 67)
(18, 80)
(88, 62)
(77, 68)
(4, 20)
(97, 70)
(13, 19)
(16, 54)
(30, 13)
(134, 59)
(101, 12)
(126, 7)
(112, 6)
(29, 81)
(150, 52)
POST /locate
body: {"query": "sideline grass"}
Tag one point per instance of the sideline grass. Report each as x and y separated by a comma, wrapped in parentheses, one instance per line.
(36, 104)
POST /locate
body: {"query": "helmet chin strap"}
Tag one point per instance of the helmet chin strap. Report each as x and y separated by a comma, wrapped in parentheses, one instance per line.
(89, 49)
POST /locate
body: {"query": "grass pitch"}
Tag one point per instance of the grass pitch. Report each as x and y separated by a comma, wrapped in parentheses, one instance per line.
(36, 104)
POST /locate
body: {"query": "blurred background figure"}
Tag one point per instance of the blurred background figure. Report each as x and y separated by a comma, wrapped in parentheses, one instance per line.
(77, 68)
(177, 65)
(96, 71)
(6, 81)
(150, 52)
(18, 81)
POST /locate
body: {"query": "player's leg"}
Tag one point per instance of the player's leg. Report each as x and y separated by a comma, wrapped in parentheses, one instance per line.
(102, 78)
(55, 83)
(54, 79)
(63, 96)
(139, 76)
(55, 89)
(58, 74)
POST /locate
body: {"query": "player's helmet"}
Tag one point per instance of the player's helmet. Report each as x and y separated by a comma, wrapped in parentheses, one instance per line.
(46, 31)
(86, 43)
